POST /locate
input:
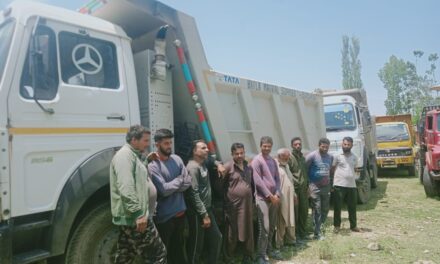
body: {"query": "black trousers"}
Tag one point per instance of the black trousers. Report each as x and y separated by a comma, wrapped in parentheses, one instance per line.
(199, 237)
(171, 232)
(349, 195)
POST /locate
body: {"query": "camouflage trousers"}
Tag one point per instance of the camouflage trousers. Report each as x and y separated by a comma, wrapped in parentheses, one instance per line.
(147, 245)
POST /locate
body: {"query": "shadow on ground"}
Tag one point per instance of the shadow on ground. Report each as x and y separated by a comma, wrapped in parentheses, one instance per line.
(377, 194)
(394, 173)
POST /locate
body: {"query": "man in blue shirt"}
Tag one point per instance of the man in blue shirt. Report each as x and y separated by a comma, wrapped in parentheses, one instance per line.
(171, 180)
(319, 164)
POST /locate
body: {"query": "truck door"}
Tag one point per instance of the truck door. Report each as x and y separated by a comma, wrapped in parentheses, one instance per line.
(67, 103)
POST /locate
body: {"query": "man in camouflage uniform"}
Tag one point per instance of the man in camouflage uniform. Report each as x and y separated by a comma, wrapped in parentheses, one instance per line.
(297, 165)
(133, 202)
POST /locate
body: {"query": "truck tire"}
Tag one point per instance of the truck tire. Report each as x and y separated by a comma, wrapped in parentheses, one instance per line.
(375, 173)
(364, 187)
(412, 171)
(94, 239)
(419, 170)
(432, 188)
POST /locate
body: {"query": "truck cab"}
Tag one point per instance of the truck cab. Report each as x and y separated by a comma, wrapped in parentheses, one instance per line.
(430, 149)
(346, 114)
(395, 142)
(70, 86)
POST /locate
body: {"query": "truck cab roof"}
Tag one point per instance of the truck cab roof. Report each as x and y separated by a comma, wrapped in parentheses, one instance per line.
(22, 11)
(433, 112)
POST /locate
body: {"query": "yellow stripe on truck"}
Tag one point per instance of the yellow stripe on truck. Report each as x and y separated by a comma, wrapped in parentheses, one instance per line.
(66, 130)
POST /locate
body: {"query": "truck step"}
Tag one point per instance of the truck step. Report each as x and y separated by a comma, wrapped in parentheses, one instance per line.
(30, 256)
(32, 225)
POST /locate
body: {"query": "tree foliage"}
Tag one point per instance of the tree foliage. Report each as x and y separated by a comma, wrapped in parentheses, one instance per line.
(407, 90)
(351, 64)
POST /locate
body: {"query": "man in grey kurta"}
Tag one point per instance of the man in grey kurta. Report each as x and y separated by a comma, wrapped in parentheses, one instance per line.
(238, 196)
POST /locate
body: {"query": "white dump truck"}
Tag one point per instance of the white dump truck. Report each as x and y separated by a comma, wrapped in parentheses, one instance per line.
(346, 114)
(70, 86)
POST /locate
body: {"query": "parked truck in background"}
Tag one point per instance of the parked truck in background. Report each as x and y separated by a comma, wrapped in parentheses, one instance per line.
(346, 114)
(395, 143)
(70, 86)
(429, 150)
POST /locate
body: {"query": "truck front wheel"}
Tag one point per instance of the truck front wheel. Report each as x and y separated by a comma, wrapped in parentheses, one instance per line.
(420, 170)
(432, 188)
(364, 187)
(412, 171)
(375, 173)
(94, 239)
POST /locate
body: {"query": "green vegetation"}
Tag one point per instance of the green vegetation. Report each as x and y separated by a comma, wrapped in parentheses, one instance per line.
(399, 219)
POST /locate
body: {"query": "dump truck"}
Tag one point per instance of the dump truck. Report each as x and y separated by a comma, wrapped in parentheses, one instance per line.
(395, 143)
(346, 114)
(70, 86)
(428, 161)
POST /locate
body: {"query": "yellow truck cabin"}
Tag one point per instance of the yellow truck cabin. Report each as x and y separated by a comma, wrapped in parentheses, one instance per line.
(395, 142)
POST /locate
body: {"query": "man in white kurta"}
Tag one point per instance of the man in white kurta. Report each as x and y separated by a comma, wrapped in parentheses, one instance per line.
(286, 219)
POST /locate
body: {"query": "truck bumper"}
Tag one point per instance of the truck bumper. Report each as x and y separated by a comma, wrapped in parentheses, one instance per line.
(395, 162)
(5, 243)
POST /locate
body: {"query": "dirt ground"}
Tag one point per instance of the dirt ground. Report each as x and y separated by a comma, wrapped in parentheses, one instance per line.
(400, 225)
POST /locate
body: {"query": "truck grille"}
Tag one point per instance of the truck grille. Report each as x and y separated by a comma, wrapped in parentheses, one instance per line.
(394, 152)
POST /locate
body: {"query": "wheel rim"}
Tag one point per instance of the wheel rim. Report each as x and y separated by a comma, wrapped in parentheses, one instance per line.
(106, 246)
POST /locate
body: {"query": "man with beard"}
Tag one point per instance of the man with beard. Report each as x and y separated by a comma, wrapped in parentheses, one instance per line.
(171, 179)
(267, 182)
(297, 165)
(286, 216)
(319, 164)
(344, 185)
(133, 202)
(238, 197)
(203, 229)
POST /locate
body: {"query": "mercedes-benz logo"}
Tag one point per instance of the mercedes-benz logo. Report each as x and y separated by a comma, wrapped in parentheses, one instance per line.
(87, 59)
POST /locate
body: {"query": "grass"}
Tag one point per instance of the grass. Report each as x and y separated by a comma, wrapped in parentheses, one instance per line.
(398, 217)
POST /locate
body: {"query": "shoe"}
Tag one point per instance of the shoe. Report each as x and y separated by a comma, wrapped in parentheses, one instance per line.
(300, 242)
(261, 260)
(318, 237)
(276, 254)
(247, 260)
(336, 230)
(355, 229)
(291, 243)
(304, 238)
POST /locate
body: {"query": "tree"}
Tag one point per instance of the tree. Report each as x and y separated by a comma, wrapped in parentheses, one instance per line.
(351, 64)
(407, 91)
(401, 81)
(418, 54)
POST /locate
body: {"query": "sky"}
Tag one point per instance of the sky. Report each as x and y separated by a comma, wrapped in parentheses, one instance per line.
(297, 44)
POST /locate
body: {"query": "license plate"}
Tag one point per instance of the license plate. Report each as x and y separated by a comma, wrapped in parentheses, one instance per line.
(389, 166)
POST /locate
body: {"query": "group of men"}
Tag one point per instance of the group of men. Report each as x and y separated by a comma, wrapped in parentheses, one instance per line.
(154, 196)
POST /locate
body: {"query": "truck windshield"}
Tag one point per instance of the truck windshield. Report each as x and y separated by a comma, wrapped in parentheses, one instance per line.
(6, 30)
(339, 117)
(391, 132)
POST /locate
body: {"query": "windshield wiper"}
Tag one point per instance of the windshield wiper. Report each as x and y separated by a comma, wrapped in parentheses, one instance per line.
(334, 128)
(399, 136)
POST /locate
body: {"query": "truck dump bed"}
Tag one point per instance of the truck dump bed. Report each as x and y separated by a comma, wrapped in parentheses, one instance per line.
(236, 109)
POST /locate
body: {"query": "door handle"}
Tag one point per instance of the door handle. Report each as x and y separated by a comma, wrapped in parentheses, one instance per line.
(116, 117)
